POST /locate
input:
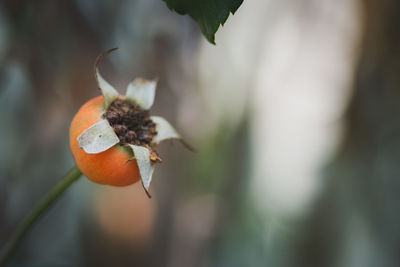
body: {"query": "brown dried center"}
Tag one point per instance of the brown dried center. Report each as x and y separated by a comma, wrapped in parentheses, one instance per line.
(131, 124)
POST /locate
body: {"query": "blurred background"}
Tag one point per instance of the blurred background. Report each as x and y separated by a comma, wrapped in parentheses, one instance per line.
(294, 113)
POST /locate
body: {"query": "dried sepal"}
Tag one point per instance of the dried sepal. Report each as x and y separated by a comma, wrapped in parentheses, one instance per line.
(146, 168)
(107, 90)
(164, 130)
(98, 138)
(142, 92)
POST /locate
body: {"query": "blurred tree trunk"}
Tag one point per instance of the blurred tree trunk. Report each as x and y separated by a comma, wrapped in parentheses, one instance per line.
(356, 222)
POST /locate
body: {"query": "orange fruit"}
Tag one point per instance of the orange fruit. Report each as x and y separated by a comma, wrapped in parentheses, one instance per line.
(111, 167)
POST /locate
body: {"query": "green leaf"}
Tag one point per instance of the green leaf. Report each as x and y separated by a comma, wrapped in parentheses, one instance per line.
(209, 14)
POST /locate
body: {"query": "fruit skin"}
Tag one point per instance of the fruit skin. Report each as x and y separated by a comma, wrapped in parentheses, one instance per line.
(111, 167)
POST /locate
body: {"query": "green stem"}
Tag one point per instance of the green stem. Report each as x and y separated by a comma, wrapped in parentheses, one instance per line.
(36, 213)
